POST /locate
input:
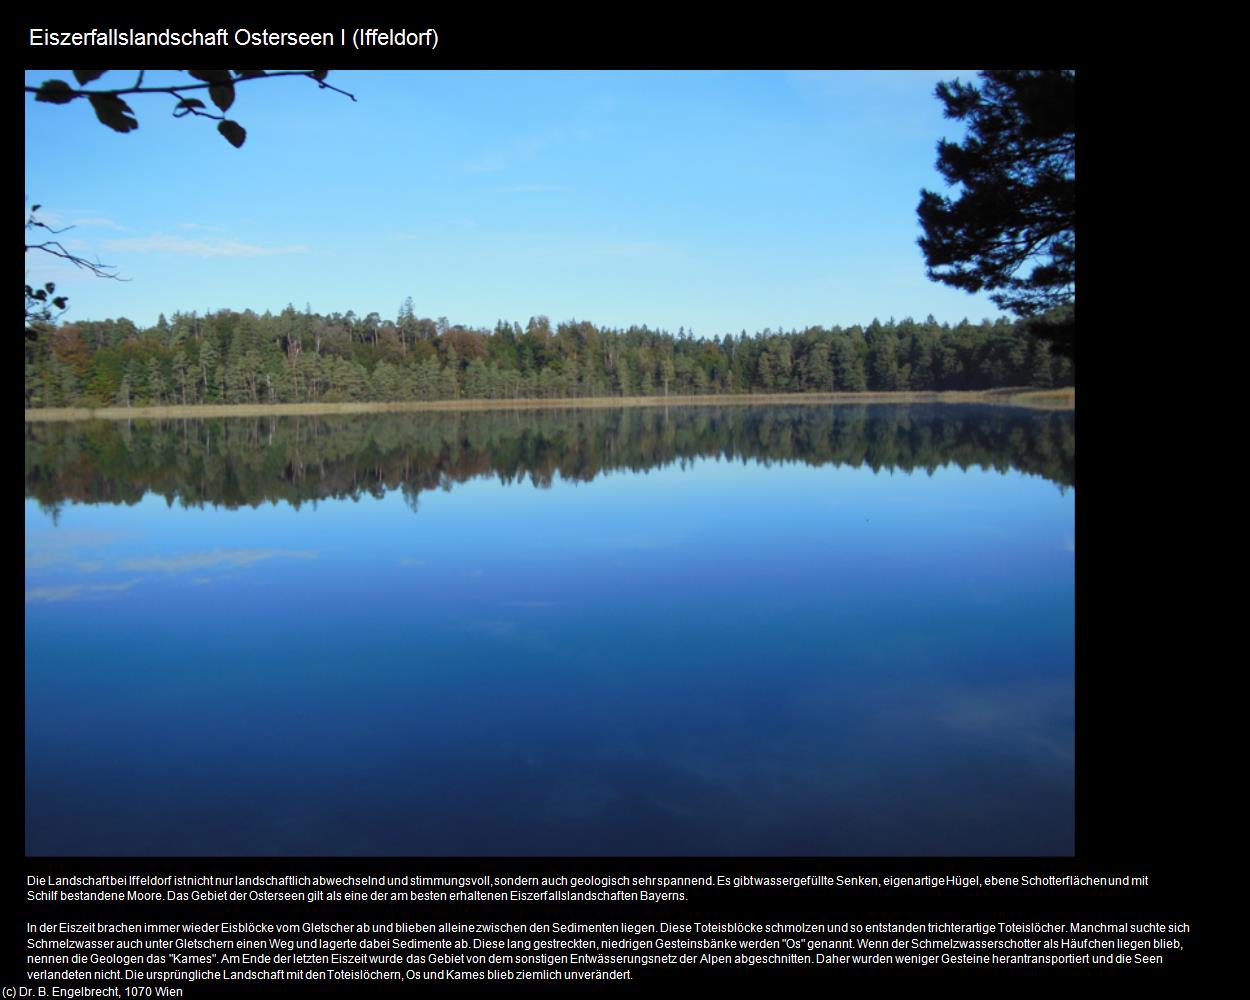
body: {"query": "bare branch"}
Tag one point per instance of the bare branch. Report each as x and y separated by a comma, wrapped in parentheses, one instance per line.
(56, 249)
(33, 223)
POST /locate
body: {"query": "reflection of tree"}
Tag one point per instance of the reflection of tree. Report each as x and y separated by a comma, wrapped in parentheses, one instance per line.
(249, 461)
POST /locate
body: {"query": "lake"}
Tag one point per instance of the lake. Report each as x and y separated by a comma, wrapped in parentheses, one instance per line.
(803, 630)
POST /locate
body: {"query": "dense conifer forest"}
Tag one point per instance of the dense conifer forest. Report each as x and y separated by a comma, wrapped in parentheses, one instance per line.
(300, 357)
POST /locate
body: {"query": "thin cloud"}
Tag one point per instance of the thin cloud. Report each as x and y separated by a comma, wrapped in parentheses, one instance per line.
(205, 581)
(100, 222)
(66, 548)
(42, 560)
(200, 248)
(218, 557)
(111, 587)
(73, 591)
(63, 220)
(54, 593)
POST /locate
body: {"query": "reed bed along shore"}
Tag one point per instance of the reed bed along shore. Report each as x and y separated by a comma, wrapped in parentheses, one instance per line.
(1048, 399)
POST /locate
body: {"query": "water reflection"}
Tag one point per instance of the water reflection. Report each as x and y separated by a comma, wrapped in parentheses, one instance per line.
(712, 631)
(248, 461)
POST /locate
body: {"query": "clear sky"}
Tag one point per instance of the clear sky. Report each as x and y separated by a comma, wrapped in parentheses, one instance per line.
(717, 201)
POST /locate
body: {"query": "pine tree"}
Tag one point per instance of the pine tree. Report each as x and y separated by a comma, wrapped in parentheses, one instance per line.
(1011, 230)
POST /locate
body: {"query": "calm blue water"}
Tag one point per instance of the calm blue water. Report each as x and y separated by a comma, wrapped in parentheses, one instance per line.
(708, 657)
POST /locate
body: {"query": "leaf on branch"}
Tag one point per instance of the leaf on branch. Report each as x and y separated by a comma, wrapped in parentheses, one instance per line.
(319, 74)
(55, 92)
(222, 95)
(185, 106)
(113, 112)
(234, 132)
(85, 76)
(211, 75)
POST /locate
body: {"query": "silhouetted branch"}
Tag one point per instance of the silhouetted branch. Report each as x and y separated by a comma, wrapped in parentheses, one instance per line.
(113, 111)
(58, 249)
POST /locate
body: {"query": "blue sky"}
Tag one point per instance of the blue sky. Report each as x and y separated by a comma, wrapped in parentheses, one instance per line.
(716, 201)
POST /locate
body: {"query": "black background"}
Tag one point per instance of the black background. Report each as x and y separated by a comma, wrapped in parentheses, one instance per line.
(1144, 659)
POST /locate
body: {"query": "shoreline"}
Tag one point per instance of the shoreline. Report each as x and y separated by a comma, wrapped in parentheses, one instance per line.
(1039, 399)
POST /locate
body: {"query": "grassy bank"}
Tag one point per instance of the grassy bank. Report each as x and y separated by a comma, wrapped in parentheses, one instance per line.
(1049, 399)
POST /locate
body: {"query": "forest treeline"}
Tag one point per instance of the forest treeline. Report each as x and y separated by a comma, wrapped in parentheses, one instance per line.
(299, 357)
(246, 461)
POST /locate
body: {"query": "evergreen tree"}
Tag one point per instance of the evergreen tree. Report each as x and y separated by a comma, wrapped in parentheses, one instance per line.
(449, 382)
(156, 382)
(208, 369)
(180, 375)
(80, 364)
(1012, 228)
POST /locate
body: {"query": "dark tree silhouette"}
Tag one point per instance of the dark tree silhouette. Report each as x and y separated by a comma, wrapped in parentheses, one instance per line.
(1011, 229)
